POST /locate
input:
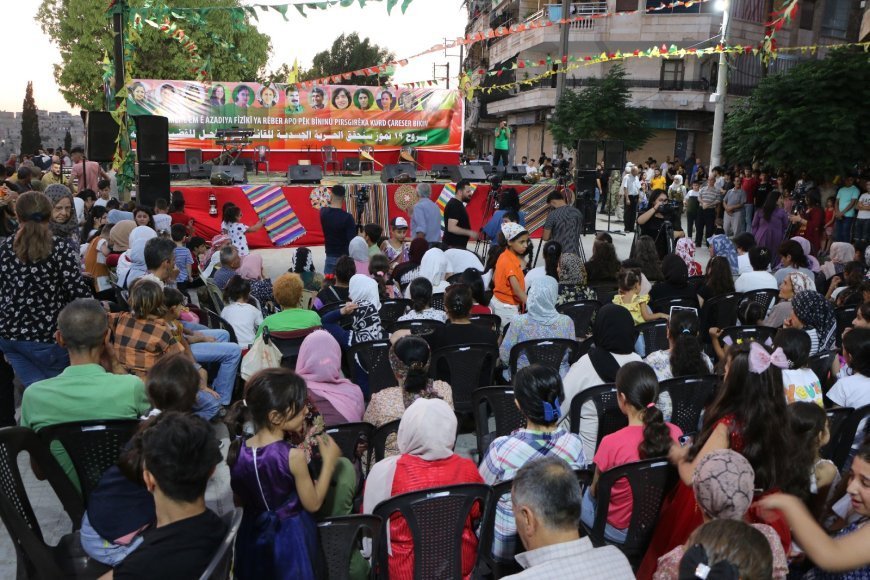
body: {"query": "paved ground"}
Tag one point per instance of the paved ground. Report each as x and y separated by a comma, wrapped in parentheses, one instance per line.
(55, 523)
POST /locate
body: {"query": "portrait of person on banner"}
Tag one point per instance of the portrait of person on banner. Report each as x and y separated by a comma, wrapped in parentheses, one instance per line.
(268, 97)
(363, 99)
(317, 98)
(341, 99)
(386, 102)
(166, 99)
(407, 101)
(137, 97)
(217, 97)
(293, 105)
(243, 97)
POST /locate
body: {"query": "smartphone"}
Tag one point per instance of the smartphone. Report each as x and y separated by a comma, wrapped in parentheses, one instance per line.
(683, 308)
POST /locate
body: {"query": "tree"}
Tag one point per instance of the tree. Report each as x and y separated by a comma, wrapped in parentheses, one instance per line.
(82, 31)
(349, 53)
(600, 111)
(807, 119)
(30, 139)
(67, 141)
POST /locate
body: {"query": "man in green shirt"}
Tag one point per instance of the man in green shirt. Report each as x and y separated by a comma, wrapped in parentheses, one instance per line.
(502, 145)
(84, 391)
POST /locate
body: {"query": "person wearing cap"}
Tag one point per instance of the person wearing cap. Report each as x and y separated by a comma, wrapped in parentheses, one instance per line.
(426, 216)
(509, 283)
(396, 248)
(458, 224)
(339, 228)
(630, 191)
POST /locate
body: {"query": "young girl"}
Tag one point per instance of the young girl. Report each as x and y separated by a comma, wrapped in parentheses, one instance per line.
(421, 297)
(809, 428)
(637, 304)
(396, 248)
(95, 263)
(509, 284)
(94, 222)
(303, 264)
(245, 318)
(749, 313)
(799, 381)
(379, 270)
(646, 436)
(235, 229)
(829, 226)
(269, 477)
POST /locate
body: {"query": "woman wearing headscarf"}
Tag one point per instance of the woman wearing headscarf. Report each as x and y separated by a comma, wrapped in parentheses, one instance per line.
(252, 267)
(131, 264)
(724, 484)
(433, 267)
(614, 335)
(63, 216)
(541, 321)
(807, 248)
(407, 271)
(426, 438)
(814, 314)
(338, 400)
(840, 254)
(572, 280)
(676, 280)
(792, 284)
(119, 241)
(358, 249)
(721, 245)
(685, 249)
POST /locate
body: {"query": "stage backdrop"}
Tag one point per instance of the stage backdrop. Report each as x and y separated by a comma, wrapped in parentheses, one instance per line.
(289, 119)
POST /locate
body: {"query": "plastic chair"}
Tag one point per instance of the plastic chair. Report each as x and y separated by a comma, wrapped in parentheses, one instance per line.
(760, 334)
(689, 397)
(836, 419)
(418, 327)
(391, 310)
(465, 368)
(35, 558)
(650, 480)
(610, 418)
(216, 295)
(288, 342)
(845, 316)
(491, 321)
(605, 291)
(329, 155)
(92, 446)
(407, 151)
(219, 567)
(548, 352)
(348, 435)
(436, 518)
(366, 156)
(821, 364)
(664, 304)
(215, 321)
(765, 297)
(262, 158)
(438, 301)
(378, 441)
(373, 357)
(696, 281)
(655, 335)
(848, 431)
(496, 403)
(719, 311)
(341, 535)
(582, 312)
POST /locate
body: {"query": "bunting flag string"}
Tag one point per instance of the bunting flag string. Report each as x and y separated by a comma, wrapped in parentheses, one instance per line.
(282, 9)
(778, 19)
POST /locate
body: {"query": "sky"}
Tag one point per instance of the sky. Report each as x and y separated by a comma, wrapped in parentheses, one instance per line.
(425, 24)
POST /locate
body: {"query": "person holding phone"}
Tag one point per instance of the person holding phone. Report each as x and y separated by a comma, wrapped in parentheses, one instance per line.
(502, 144)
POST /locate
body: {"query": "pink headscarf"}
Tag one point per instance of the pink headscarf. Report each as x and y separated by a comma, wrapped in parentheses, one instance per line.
(319, 363)
(251, 268)
(217, 242)
(685, 249)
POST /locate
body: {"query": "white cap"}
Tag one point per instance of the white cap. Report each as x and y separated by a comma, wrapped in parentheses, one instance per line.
(400, 223)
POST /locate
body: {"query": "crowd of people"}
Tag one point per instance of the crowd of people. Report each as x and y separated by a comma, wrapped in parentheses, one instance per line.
(106, 315)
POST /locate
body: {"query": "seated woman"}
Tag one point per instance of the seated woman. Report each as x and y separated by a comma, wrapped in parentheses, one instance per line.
(603, 265)
(426, 438)
(460, 331)
(676, 281)
(345, 267)
(319, 363)
(812, 313)
(790, 285)
(793, 259)
(410, 358)
(420, 292)
(685, 249)
(721, 245)
(541, 321)
(841, 254)
(433, 267)
(358, 249)
(474, 280)
(718, 280)
(287, 290)
(538, 394)
(573, 280)
(644, 253)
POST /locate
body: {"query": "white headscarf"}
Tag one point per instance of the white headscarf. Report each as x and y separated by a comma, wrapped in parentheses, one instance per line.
(364, 289)
(541, 302)
(131, 265)
(358, 249)
(433, 267)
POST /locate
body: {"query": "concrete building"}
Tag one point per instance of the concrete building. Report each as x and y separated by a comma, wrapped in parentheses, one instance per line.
(52, 129)
(676, 91)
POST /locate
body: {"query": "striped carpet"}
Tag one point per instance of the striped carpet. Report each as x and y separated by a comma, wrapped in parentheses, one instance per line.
(282, 224)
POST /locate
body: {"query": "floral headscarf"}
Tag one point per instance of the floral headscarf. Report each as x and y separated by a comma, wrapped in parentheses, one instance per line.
(813, 310)
(724, 484)
(400, 369)
(800, 282)
(721, 245)
(571, 270)
(685, 249)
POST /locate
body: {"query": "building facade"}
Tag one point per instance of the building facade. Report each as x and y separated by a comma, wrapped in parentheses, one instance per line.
(52, 129)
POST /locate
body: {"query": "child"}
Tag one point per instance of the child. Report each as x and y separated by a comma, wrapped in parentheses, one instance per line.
(810, 432)
(421, 298)
(372, 235)
(749, 313)
(379, 270)
(396, 248)
(743, 242)
(509, 283)
(303, 264)
(647, 436)
(277, 493)
(829, 226)
(183, 257)
(162, 220)
(629, 297)
(199, 249)
(800, 382)
(95, 264)
(854, 390)
(104, 193)
(242, 316)
(235, 229)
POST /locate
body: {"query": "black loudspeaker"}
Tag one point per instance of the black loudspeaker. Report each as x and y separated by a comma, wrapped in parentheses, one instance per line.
(152, 138)
(351, 164)
(193, 157)
(153, 183)
(405, 172)
(101, 134)
(515, 172)
(441, 170)
(304, 174)
(236, 172)
(614, 155)
(469, 172)
(178, 171)
(587, 154)
(584, 199)
(487, 166)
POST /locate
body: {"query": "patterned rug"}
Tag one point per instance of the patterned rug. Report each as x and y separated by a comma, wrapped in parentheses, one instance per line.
(377, 210)
(282, 224)
(533, 203)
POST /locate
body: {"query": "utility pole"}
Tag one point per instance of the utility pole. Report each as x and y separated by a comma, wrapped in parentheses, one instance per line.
(721, 93)
(119, 17)
(560, 76)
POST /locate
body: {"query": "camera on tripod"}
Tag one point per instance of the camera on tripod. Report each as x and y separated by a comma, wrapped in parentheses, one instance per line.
(670, 209)
(362, 195)
(800, 202)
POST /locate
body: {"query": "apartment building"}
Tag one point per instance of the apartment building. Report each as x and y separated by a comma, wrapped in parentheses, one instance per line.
(676, 91)
(52, 129)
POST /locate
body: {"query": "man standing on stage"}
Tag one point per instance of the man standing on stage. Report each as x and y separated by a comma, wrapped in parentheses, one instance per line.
(458, 225)
(502, 144)
(630, 191)
(339, 228)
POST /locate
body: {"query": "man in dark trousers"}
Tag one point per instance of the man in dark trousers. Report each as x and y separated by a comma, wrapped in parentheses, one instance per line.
(502, 145)
(458, 225)
(339, 228)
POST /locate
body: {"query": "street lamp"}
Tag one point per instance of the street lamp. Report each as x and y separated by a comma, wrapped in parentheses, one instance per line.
(721, 88)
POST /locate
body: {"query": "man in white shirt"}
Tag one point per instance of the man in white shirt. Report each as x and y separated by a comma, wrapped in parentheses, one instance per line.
(630, 190)
(759, 278)
(546, 504)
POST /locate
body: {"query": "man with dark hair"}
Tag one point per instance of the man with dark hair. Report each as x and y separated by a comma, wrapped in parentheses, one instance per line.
(180, 453)
(230, 263)
(339, 228)
(160, 261)
(564, 224)
(84, 390)
(546, 504)
(457, 229)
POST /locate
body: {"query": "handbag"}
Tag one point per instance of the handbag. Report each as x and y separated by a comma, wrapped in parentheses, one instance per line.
(263, 354)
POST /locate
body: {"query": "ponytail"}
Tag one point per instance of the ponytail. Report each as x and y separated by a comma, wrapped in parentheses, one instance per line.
(637, 382)
(34, 240)
(420, 291)
(413, 352)
(656, 435)
(686, 355)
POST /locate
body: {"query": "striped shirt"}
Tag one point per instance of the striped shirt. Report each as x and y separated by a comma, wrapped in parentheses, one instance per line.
(567, 559)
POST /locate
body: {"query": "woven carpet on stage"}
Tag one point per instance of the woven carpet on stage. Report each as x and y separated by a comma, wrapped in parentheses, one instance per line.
(533, 202)
(377, 210)
(282, 224)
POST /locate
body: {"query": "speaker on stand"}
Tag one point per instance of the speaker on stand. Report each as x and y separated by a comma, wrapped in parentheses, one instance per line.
(584, 198)
(614, 155)
(587, 154)
(152, 138)
(101, 133)
(153, 183)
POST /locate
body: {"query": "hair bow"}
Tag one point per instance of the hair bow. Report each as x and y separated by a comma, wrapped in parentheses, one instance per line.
(760, 359)
(695, 564)
(552, 411)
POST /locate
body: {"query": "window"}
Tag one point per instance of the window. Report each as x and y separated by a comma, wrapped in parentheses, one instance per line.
(807, 12)
(672, 75)
(835, 22)
(626, 5)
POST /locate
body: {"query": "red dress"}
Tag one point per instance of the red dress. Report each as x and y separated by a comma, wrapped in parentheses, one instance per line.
(412, 474)
(681, 515)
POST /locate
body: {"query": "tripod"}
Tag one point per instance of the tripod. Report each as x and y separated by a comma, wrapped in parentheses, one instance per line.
(491, 205)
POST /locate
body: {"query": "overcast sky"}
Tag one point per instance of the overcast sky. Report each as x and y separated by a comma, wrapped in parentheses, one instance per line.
(424, 25)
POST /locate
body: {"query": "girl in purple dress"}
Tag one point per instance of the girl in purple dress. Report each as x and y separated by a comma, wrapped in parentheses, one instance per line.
(270, 478)
(769, 225)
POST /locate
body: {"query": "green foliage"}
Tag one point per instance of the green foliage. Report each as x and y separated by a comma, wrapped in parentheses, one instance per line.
(349, 53)
(812, 118)
(30, 139)
(600, 111)
(82, 31)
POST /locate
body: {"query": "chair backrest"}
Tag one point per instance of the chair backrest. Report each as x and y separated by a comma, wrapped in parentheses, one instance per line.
(689, 397)
(848, 432)
(696, 281)
(35, 558)
(92, 446)
(378, 441)
(328, 152)
(605, 291)
(418, 327)
(720, 311)
(491, 321)
(391, 310)
(288, 342)
(664, 304)
(215, 321)
(610, 418)
(409, 150)
(366, 149)
(836, 419)
(760, 334)
(373, 357)
(766, 297)
(655, 335)
(349, 435)
(215, 294)
(438, 300)
(436, 518)
(650, 480)
(821, 365)
(219, 567)
(548, 352)
(465, 368)
(498, 403)
(845, 316)
(341, 536)
(263, 152)
(582, 312)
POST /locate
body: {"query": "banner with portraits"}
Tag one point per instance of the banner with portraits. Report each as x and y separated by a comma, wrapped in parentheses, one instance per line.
(287, 118)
